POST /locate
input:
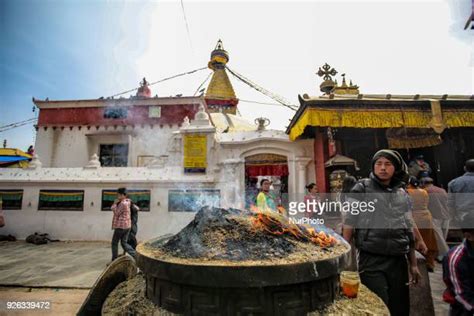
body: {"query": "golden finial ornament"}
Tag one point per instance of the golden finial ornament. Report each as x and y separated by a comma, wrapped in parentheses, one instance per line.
(326, 71)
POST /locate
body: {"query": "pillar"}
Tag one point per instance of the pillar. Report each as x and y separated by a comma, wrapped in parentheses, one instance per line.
(301, 164)
(231, 188)
(320, 157)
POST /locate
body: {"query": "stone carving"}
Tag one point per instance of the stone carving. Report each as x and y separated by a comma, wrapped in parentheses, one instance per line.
(201, 118)
(158, 162)
(94, 163)
(185, 121)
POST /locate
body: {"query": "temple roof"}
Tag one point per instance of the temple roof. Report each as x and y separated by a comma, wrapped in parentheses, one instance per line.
(382, 111)
(340, 160)
(230, 123)
(393, 97)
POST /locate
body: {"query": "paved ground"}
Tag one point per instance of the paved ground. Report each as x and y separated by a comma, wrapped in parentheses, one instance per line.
(66, 269)
(57, 264)
(69, 269)
(437, 288)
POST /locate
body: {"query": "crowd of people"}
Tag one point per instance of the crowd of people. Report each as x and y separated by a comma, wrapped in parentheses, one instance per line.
(411, 214)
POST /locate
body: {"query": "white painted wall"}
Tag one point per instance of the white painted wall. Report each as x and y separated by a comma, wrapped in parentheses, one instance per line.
(91, 223)
(73, 147)
(44, 145)
(226, 158)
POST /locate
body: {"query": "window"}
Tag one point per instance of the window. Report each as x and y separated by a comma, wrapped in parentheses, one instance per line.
(115, 112)
(192, 200)
(115, 155)
(139, 197)
(154, 111)
(11, 199)
(61, 200)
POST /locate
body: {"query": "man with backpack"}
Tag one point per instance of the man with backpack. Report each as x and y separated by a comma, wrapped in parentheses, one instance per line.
(132, 237)
(384, 237)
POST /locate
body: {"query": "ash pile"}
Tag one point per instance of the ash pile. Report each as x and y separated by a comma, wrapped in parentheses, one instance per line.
(241, 235)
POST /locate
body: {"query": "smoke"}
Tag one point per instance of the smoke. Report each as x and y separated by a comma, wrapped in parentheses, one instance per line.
(461, 11)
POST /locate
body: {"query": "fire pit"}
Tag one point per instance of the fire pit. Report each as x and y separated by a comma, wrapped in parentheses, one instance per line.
(233, 262)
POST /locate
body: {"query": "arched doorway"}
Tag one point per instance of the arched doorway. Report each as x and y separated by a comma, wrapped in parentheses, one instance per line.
(269, 166)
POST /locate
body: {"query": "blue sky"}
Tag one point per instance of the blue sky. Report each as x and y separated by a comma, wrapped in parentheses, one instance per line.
(86, 49)
(62, 50)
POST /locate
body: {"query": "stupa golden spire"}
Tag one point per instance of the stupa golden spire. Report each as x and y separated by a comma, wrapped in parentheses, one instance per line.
(220, 95)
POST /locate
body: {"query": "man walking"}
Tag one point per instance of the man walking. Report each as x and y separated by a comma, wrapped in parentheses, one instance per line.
(384, 237)
(461, 197)
(419, 167)
(121, 223)
(438, 206)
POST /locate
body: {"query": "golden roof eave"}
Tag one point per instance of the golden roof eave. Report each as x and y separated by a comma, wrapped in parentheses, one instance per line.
(383, 97)
(377, 118)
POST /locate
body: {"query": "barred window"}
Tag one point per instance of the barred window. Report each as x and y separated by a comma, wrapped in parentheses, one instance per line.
(115, 112)
(11, 199)
(61, 200)
(114, 155)
(139, 197)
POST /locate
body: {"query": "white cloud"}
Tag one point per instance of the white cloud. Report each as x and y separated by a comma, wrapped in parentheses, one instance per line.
(398, 47)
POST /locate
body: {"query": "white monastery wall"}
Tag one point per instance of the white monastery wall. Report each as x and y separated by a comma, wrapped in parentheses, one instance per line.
(225, 171)
(72, 147)
(92, 223)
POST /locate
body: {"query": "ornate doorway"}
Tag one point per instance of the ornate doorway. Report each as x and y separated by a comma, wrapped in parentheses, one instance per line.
(269, 166)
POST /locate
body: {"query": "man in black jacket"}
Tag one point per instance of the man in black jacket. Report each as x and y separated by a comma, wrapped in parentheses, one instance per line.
(460, 197)
(132, 237)
(384, 236)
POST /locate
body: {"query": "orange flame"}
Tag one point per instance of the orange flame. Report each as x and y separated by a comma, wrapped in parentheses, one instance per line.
(276, 224)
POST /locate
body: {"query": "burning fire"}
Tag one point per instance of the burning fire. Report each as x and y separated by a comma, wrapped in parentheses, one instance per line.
(277, 224)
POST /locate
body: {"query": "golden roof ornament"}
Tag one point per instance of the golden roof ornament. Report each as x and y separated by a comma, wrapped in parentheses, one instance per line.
(220, 95)
(344, 84)
(344, 88)
(219, 57)
(326, 72)
(144, 91)
(262, 123)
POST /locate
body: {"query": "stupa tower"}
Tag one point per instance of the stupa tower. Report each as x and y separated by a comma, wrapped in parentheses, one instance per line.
(220, 95)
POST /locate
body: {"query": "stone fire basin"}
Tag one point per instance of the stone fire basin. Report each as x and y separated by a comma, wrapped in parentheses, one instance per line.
(234, 288)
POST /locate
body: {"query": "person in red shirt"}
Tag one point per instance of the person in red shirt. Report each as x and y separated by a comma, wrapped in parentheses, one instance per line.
(121, 223)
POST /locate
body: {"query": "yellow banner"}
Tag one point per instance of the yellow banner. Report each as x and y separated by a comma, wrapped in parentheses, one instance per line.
(195, 153)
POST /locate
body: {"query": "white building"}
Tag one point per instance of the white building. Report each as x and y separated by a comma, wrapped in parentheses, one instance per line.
(173, 154)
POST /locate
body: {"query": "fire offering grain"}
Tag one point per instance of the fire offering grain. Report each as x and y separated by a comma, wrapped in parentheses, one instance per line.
(230, 237)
